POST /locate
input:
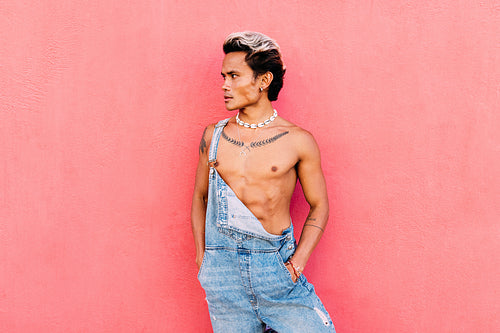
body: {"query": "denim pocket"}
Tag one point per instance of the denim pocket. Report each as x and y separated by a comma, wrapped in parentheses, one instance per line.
(237, 236)
(202, 264)
(285, 271)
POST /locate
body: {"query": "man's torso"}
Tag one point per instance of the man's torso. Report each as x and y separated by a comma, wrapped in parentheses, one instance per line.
(260, 166)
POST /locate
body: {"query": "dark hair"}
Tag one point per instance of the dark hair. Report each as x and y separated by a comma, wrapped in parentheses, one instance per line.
(262, 55)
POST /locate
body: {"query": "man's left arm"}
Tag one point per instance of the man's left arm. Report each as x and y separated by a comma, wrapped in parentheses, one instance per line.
(313, 184)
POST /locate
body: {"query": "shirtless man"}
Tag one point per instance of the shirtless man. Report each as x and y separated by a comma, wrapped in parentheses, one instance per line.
(248, 260)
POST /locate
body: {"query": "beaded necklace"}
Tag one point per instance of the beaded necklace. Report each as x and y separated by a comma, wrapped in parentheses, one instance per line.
(262, 124)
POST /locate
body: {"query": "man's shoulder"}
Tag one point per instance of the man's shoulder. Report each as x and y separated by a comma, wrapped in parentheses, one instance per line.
(296, 131)
(210, 128)
(301, 140)
(221, 122)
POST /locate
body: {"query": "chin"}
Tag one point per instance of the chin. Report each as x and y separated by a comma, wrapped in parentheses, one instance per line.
(231, 108)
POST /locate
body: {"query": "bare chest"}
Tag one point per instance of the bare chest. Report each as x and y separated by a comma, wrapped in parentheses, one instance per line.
(269, 159)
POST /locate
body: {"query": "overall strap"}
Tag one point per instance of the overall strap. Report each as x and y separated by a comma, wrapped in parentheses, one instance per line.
(212, 153)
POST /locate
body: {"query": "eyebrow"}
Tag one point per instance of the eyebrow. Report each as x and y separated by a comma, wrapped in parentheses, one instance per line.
(229, 73)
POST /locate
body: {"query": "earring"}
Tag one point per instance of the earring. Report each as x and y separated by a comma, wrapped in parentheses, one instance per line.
(261, 89)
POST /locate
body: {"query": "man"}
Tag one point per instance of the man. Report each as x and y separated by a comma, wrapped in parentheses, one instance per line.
(249, 264)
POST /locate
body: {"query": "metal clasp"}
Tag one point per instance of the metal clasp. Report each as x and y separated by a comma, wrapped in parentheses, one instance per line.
(213, 163)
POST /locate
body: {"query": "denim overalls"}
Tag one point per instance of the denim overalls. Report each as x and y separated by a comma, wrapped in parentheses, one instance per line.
(243, 273)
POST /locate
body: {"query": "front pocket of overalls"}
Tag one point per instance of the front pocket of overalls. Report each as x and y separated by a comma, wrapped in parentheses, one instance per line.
(286, 273)
(237, 236)
(203, 264)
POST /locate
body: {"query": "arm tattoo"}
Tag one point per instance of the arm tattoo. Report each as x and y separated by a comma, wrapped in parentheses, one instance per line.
(254, 144)
(309, 218)
(313, 225)
(203, 143)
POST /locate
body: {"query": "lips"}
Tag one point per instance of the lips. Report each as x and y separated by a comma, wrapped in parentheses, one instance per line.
(227, 98)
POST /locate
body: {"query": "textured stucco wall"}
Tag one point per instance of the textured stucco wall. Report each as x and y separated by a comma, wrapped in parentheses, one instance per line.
(102, 105)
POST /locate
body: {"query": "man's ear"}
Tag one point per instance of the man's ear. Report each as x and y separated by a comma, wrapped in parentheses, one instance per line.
(267, 78)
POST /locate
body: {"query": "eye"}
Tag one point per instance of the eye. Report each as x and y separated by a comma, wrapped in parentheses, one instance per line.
(233, 76)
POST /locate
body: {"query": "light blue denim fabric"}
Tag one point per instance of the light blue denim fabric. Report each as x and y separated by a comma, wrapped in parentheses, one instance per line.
(243, 273)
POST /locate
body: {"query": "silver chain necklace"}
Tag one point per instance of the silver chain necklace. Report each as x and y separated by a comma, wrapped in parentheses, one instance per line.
(262, 124)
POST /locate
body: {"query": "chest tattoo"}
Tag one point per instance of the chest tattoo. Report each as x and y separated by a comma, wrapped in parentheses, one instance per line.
(254, 144)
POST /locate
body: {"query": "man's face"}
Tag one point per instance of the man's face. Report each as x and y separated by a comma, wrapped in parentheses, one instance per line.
(240, 87)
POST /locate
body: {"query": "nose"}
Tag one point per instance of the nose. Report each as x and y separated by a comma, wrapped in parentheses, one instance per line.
(225, 85)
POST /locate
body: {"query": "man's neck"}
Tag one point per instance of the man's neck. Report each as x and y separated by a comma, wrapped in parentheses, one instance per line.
(256, 113)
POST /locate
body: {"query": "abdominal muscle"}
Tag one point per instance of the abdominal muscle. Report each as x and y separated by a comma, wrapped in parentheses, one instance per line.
(268, 199)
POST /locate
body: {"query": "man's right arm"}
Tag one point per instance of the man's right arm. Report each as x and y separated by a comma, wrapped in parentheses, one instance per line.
(200, 194)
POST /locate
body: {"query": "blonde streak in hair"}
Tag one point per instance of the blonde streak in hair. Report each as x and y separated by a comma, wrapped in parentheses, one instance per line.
(257, 42)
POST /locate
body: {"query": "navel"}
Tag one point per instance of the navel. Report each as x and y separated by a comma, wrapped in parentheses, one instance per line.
(274, 169)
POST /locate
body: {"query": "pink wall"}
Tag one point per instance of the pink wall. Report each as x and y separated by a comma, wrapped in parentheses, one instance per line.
(102, 105)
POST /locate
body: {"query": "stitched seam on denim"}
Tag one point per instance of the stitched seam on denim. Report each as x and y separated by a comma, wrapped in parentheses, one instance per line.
(252, 234)
(250, 287)
(216, 248)
(243, 250)
(221, 202)
(212, 154)
(234, 249)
